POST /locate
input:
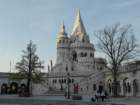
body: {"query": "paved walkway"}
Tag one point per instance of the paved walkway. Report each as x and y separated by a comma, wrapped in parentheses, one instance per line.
(38, 100)
(126, 100)
(60, 100)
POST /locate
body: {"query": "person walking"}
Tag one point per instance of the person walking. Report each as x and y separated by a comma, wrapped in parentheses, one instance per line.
(102, 95)
(97, 96)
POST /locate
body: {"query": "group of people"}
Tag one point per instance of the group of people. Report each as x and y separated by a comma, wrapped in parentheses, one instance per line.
(99, 95)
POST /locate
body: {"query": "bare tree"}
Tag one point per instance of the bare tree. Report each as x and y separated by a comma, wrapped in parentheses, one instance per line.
(29, 67)
(119, 44)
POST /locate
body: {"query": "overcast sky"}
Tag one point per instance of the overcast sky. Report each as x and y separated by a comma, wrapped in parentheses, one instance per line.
(39, 21)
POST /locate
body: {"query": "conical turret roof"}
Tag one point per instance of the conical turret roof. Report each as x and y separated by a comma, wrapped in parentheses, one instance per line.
(62, 30)
(78, 28)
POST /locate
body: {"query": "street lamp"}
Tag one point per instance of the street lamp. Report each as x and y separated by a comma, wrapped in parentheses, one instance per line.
(68, 84)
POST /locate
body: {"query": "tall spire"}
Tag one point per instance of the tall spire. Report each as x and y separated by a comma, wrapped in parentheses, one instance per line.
(78, 26)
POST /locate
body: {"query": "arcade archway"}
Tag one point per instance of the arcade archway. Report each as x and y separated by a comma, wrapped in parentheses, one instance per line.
(135, 87)
(4, 88)
(13, 88)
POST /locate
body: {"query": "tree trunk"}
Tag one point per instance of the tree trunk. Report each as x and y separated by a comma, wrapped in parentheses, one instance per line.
(115, 84)
(29, 75)
(28, 85)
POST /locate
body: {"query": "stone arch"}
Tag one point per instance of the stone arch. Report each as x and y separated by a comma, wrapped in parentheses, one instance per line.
(22, 88)
(135, 87)
(109, 83)
(74, 56)
(125, 86)
(100, 87)
(119, 87)
(4, 88)
(14, 88)
(128, 87)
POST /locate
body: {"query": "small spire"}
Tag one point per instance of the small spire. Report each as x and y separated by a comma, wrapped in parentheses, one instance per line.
(78, 25)
(62, 29)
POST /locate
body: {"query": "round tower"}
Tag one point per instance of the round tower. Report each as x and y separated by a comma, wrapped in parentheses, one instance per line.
(63, 46)
(82, 49)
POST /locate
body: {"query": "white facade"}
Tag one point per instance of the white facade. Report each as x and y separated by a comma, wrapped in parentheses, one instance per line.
(75, 56)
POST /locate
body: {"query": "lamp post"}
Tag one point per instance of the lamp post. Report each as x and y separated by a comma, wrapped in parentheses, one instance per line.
(68, 83)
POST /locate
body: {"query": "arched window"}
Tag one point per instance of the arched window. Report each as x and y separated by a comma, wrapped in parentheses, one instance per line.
(59, 41)
(83, 40)
(72, 69)
(72, 80)
(66, 68)
(54, 81)
(63, 41)
(60, 81)
(64, 80)
(69, 80)
(67, 41)
(91, 55)
(85, 54)
(101, 68)
(81, 54)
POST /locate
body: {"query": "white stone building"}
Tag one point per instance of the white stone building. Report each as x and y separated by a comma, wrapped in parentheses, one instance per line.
(75, 56)
(76, 61)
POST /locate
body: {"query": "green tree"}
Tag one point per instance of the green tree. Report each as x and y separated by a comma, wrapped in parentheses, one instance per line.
(119, 44)
(29, 68)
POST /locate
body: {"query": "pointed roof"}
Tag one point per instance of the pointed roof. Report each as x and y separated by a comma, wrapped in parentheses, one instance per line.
(78, 26)
(62, 30)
